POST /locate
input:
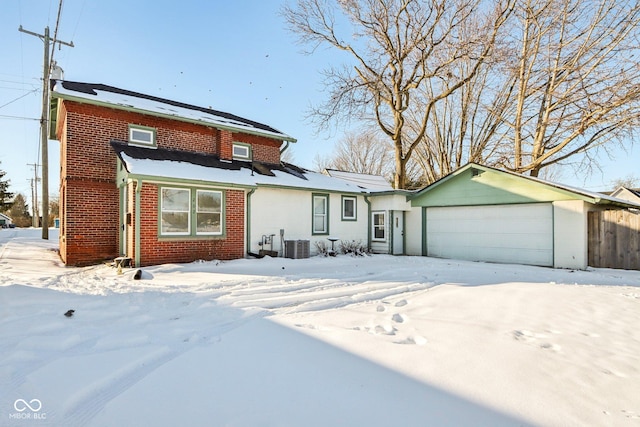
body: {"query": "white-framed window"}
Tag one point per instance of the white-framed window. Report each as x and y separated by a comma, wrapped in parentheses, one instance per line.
(378, 224)
(175, 211)
(320, 214)
(241, 151)
(349, 212)
(208, 212)
(142, 135)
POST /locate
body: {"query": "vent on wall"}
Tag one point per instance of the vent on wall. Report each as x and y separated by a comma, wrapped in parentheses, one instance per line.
(296, 249)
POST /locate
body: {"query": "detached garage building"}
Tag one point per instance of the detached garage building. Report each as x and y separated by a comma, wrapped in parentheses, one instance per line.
(483, 214)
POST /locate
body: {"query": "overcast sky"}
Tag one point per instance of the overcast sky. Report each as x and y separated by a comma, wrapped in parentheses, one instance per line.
(232, 56)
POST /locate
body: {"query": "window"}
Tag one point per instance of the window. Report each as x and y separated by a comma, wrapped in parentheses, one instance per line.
(208, 212)
(348, 208)
(379, 227)
(320, 214)
(175, 211)
(141, 135)
(179, 205)
(241, 151)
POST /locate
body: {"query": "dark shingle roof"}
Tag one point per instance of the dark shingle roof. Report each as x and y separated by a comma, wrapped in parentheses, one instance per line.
(96, 92)
(206, 160)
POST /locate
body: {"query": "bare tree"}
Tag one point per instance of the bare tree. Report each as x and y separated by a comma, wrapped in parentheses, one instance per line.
(464, 127)
(361, 152)
(629, 181)
(394, 48)
(572, 79)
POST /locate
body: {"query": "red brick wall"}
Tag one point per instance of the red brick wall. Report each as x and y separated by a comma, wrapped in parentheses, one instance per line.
(155, 250)
(265, 150)
(90, 212)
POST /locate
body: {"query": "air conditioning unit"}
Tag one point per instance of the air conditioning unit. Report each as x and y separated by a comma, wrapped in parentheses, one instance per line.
(296, 249)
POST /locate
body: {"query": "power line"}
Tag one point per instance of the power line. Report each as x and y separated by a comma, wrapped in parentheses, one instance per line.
(18, 98)
(44, 123)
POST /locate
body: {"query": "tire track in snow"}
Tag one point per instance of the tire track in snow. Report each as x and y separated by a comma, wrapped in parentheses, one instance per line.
(321, 297)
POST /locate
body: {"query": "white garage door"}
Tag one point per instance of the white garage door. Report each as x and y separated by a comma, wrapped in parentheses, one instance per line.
(518, 234)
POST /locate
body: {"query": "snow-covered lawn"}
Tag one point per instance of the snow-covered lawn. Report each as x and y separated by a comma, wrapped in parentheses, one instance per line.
(370, 341)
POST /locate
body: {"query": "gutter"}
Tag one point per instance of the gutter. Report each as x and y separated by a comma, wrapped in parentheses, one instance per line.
(366, 199)
(248, 220)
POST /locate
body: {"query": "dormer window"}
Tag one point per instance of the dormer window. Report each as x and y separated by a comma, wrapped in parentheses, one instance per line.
(142, 135)
(241, 151)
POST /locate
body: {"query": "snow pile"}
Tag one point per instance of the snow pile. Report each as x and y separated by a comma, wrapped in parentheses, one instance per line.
(373, 341)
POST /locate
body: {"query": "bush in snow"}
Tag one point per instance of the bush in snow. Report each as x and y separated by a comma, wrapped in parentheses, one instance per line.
(353, 247)
(322, 248)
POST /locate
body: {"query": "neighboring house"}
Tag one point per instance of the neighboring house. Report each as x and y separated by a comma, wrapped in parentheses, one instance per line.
(484, 214)
(5, 221)
(161, 181)
(630, 194)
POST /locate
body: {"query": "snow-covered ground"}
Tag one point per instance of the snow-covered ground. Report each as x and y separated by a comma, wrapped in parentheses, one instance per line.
(369, 341)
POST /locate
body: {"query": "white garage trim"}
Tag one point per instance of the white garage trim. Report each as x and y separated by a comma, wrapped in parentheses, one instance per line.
(518, 234)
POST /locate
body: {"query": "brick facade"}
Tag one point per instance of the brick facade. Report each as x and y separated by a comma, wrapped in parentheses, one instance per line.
(175, 249)
(90, 199)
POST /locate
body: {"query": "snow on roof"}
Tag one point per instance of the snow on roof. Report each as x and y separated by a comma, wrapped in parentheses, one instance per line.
(366, 181)
(121, 98)
(162, 163)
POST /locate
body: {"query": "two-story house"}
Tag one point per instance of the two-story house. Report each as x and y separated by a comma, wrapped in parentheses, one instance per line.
(162, 181)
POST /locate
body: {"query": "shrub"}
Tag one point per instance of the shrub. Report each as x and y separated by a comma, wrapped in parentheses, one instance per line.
(353, 248)
(322, 248)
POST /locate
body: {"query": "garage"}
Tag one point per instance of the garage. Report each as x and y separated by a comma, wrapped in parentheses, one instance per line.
(516, 233)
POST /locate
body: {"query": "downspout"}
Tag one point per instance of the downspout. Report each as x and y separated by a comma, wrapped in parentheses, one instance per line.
(366, 199)
(283, 149)
(391, 232)
(137, 227)
(248, 219)
(425, 252)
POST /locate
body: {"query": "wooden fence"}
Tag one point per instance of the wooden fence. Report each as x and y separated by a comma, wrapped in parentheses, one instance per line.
(614, 239)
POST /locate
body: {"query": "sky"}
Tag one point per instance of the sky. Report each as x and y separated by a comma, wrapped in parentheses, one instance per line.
(236, 57)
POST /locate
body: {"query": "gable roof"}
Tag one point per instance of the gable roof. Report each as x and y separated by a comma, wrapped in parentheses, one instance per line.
(366, 181)
(510, 187)
(109, 96)
(633, 192)
(189, 167)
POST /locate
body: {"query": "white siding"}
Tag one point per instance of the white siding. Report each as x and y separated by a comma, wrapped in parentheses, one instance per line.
(273, 209)
(520, 234)
(570, 234)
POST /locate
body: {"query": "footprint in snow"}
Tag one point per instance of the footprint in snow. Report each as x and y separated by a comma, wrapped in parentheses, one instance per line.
(380, 308)
(399, 318)
(549, 346)
(415, 340)
(401, 303)
(384, 330)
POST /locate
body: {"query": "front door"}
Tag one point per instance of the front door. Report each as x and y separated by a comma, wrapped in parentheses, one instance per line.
(398, 233)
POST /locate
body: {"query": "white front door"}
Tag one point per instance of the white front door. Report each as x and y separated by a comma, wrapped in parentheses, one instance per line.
(398, 233)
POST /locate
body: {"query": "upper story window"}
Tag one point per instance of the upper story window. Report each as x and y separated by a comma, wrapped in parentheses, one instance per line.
(142, 135)
(241, 151)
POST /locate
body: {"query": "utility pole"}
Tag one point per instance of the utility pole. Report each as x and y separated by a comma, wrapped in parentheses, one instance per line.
(44, 123)
(34, 196)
